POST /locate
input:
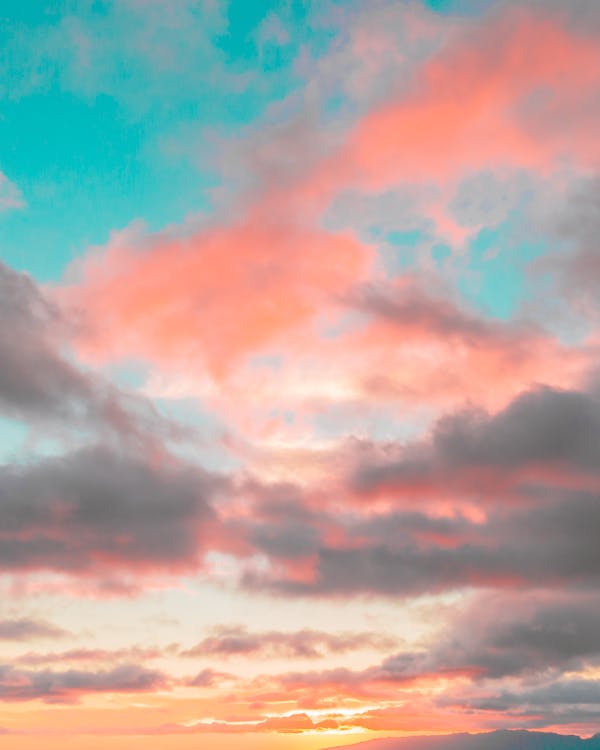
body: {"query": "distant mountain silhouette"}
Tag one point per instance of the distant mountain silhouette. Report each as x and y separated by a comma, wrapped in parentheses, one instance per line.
(500, 740)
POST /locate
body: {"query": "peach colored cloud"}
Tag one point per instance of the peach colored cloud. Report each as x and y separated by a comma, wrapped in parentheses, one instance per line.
(211, 301)
(216, 297)
(511, 91)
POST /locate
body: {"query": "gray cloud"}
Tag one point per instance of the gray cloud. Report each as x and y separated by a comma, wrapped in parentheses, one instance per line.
(209, 678)
(531, 470)
(303, 644)
(89, 655)
(24, 629)
(286, 539)
(416, 307)
(39, 383)
(507, 653)
(549, 542)
(543, 425)
(562, 693)
(498, 740)
(522, 635)
(575, 269)
(95, 509)
(70, 685)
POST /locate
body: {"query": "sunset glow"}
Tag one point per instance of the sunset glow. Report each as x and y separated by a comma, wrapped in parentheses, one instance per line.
(299, 371)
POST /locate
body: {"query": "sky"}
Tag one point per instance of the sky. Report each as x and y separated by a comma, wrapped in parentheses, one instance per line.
(299, 371)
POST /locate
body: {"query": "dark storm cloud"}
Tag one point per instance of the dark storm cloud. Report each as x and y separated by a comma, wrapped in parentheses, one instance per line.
(96, 508)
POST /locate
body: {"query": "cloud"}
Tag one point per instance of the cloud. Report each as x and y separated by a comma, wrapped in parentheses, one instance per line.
(283, 319)
(217, 299)
(568, 693)
(26, 629)
(476, 105)
(541, 427)
(212, 299)
(69, 686)
(551, 544)
(407, 306)
(505, 500)
(497, 740)
(207, 678)
(498, 99)
(96, 510)
(40, 383)
(295, 723)
(518, 634)
(89, 655)
(237, 641)
(575, 271)
(85, 50)
(501, 652)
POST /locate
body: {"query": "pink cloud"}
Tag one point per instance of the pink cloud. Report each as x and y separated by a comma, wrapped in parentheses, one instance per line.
(490, 98)
(214, 298)
(263, 284)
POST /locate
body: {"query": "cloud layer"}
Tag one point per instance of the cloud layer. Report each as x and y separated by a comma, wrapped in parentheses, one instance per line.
(303, 436)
